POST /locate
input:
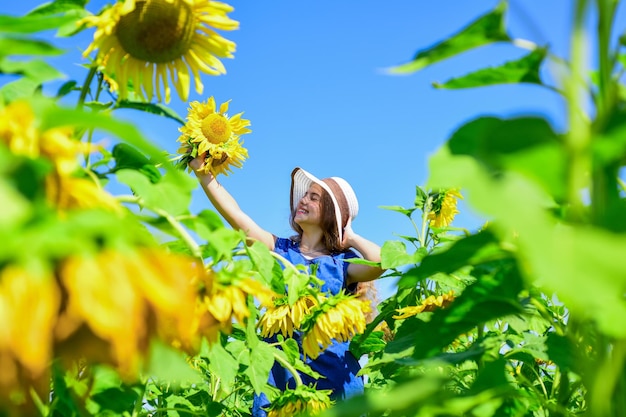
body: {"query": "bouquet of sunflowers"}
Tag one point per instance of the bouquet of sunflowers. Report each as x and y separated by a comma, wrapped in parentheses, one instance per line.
(212, 132)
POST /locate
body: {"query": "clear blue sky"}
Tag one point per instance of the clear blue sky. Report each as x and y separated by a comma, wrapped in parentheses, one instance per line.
(309, 75)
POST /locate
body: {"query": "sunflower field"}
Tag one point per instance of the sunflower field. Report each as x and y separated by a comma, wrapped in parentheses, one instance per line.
(141, 307)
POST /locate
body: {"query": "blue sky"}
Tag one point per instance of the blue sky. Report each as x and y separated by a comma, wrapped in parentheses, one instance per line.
(310, 76)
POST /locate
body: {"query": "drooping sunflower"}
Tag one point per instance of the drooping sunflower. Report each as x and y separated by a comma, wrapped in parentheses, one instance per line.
(339, 317)
(284, 318)
(429, 304)
(444, 208)
(209, 129)
(142, 43)
(300, 401)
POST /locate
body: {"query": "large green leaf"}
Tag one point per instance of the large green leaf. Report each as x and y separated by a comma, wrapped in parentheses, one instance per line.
(486, 29)
(153, 108)
(583, 265)
(393, 254)
(223, 365)
(470, 250)
(493, 295)
(167, 364)
(37, 70)
(168, 195)
(127, 156)
(261, 361)
(34, 23)
(523, 70)
(10, 46)
(527, 145)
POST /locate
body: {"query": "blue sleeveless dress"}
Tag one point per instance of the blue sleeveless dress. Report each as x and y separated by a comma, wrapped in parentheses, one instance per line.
(336, 364)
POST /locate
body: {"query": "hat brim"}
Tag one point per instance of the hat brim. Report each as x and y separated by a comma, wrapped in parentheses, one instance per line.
(301, 181)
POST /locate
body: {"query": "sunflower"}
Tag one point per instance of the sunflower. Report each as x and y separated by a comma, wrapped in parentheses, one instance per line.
(127, 300)
(302, 400)
(429, 304)
(228, 301)
(284, 318)
(444, 208)
(211, 130)
(141, 42)
(339, 318)
(29, 302)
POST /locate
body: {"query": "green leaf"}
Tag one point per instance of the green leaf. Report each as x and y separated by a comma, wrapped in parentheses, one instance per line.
(204, 223)
(21, 88)
(34, 23)
(527, 145)
(471, 250)
(399, 209)
(393, 254)
(373, 343)
(262, 260)
(523, 70)
(581, 264)
(224, 366)
(158, 109)
(38, 71)
(486, 29)
(126, 156)
(169, 194)
(261, 362)
(166, 363)
(17, 46)
(493, 295)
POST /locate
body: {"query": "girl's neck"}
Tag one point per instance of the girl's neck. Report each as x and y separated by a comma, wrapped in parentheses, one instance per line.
(312, 244)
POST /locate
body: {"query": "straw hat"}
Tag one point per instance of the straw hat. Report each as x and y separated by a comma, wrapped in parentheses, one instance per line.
(341, 193)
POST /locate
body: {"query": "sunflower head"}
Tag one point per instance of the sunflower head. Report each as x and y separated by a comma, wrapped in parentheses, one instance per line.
(340, 317)
(142, 43)
(430, 303)
(301, 401)
(444, 208)
(212, 132)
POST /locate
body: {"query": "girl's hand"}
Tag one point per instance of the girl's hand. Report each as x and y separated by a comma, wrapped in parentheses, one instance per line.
(348, 235)
(198, 162)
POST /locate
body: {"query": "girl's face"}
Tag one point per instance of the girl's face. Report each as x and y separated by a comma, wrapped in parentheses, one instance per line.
(309, 209)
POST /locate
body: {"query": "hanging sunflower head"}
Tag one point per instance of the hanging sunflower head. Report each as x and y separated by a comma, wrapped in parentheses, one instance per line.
(211, 131)
(142, 43)
(300, 401)
(444, 208)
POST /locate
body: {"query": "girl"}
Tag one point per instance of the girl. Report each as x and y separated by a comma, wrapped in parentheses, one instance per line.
(321, 214)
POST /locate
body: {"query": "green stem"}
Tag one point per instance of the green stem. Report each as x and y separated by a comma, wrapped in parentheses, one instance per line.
(290, 368)
(86, 86)
(577, 139)
(424, 230)
(186, 237)
(604, 187)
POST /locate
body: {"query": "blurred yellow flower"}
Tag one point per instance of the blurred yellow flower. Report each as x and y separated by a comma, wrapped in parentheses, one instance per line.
(142, 43)
(285, 318)
(444, 209)
(340, 318)
(126, 297)
(209, 129)
(66, 192)
(429, 304)
(19, 131)
(29, 303)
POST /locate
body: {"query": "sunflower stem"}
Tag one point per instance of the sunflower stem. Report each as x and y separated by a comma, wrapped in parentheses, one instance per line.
(86, 86)
(424, 230)
(285, 363)
(186, 237)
